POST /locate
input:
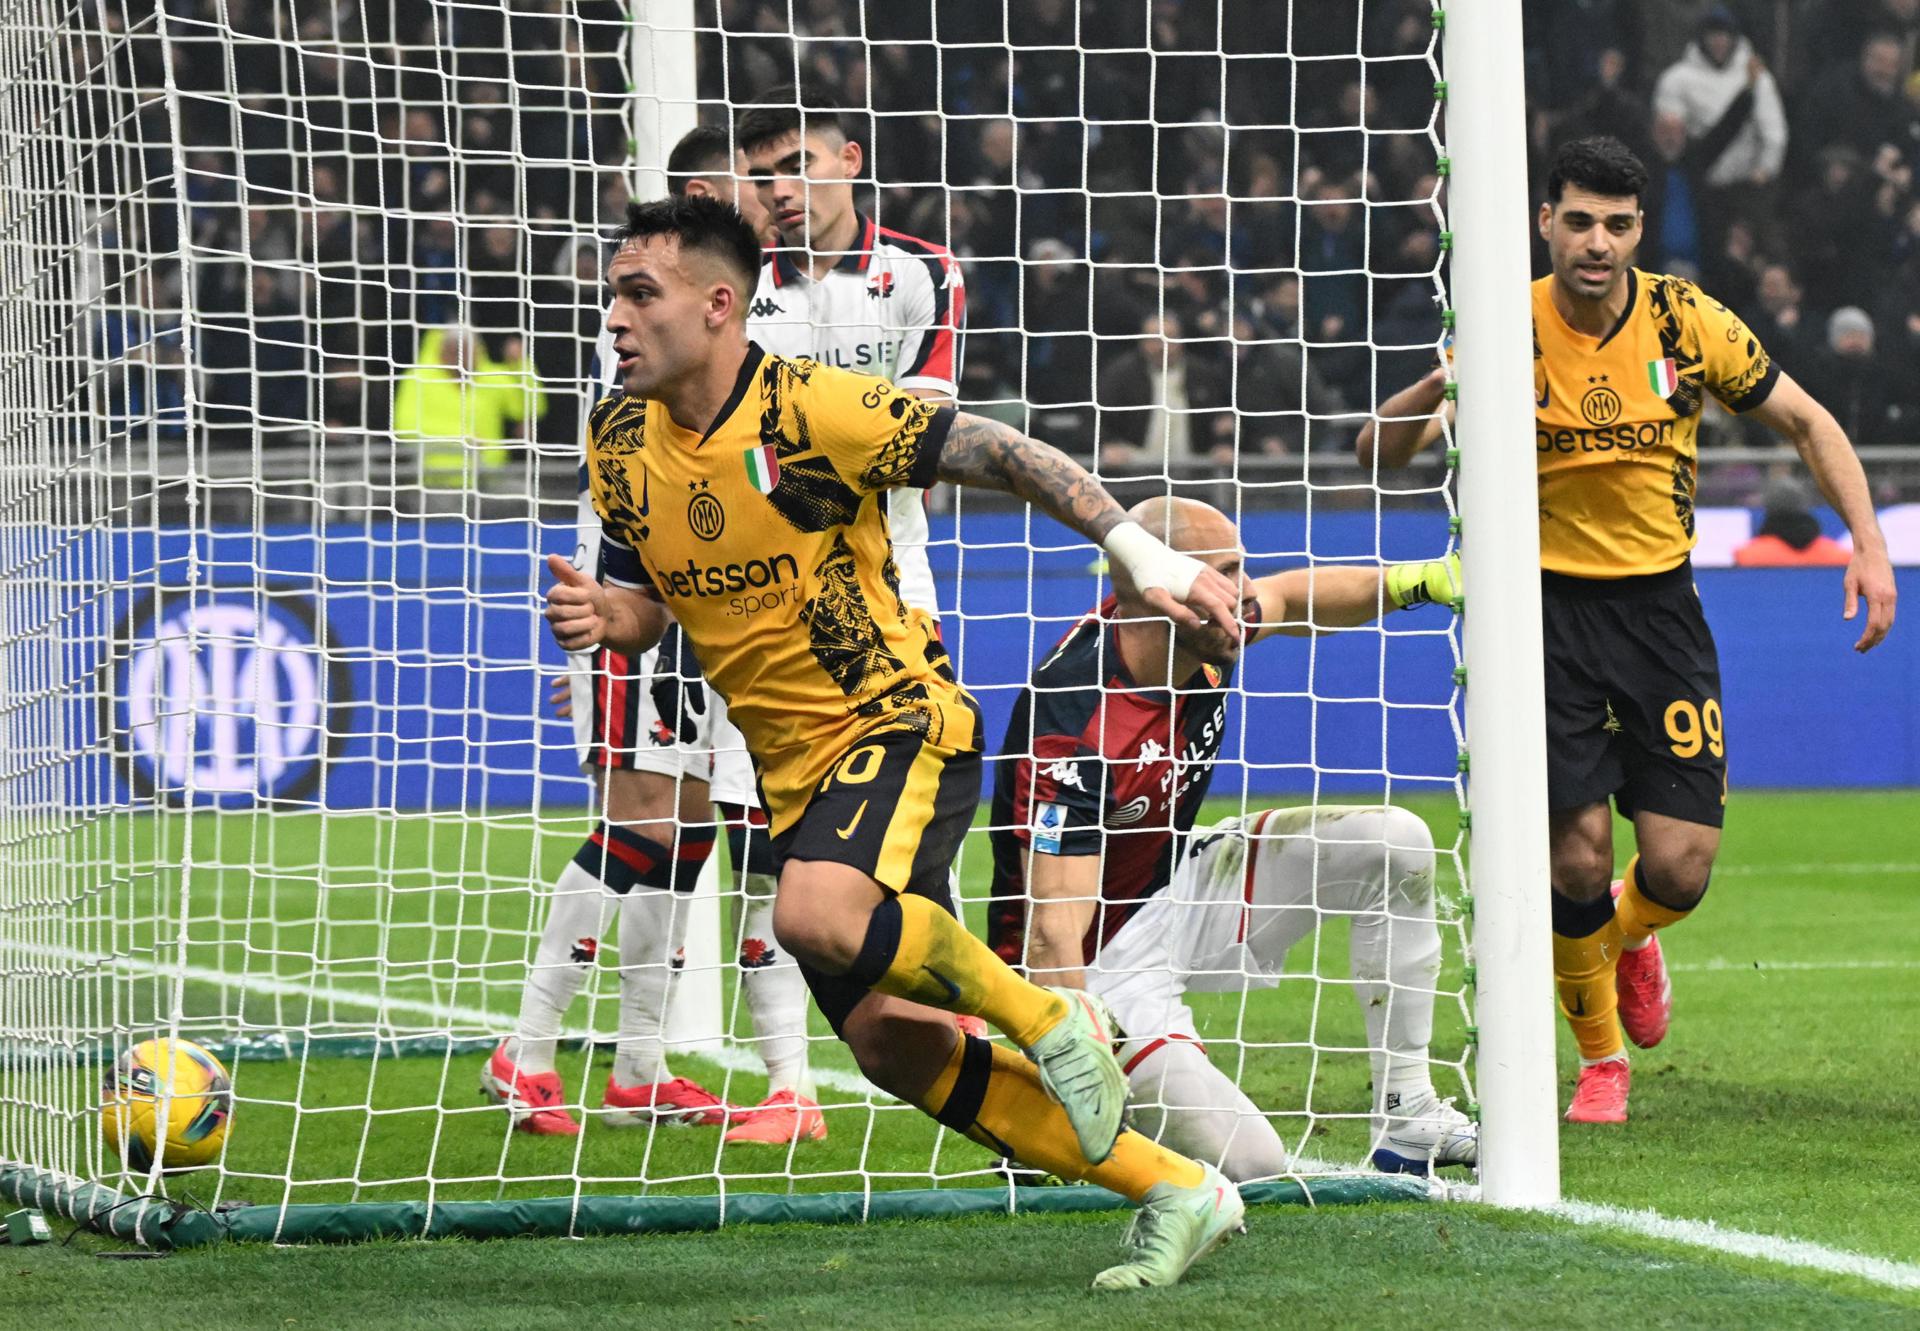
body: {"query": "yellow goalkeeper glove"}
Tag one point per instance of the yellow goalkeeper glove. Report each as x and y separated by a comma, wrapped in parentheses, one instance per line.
(1430, 582)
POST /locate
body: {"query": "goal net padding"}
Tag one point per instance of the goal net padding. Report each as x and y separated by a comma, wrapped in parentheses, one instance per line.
(280, 773)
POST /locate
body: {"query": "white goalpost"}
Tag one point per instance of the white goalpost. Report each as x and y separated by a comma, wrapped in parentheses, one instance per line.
(295, 358)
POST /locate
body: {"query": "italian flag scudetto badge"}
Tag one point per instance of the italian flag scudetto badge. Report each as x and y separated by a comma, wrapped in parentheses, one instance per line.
(763, 468)
(1663, 377)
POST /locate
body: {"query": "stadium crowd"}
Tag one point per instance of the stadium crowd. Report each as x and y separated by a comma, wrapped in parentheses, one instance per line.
(392, 204)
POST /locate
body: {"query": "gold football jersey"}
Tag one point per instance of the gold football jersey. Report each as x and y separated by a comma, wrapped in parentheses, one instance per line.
(767, 541)
(1617, 420)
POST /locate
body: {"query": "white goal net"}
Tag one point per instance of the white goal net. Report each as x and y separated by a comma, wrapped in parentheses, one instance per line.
(297, 346)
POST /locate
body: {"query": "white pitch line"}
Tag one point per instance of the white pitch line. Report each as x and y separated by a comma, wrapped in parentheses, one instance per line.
(1842, 869)
(1762, 1247)
(442, 1015)
(1713, 964)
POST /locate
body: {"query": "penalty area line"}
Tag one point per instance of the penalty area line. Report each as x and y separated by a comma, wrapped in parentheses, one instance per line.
(1741, 1243)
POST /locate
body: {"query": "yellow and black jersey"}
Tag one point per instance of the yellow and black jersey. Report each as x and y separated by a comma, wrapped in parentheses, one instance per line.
(1617, 420)
(765, 538)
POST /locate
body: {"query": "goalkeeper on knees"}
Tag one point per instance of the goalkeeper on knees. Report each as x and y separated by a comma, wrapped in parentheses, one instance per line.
(1101, 880)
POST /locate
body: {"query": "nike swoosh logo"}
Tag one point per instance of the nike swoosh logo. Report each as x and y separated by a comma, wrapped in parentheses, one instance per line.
(1545, 393)
(847, 831)
(953, 990)
(1578, 1008)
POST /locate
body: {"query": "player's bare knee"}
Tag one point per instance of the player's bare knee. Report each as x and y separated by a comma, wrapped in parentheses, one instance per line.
(899, 1047)
(1677, 877)
(632, 798)
(1582, 868)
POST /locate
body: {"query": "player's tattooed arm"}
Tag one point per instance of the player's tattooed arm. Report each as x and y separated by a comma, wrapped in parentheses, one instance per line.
(986, 454)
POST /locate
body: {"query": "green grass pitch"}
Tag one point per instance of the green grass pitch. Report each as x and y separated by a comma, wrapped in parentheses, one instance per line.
(1774, 1107)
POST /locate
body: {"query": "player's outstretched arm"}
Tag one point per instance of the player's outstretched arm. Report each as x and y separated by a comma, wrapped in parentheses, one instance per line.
(1405, 423)
(584, 614)
(1301, 602)
(1791, 412)
(988, 455)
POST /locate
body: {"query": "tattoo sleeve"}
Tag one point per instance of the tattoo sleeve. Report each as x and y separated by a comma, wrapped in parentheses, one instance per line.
(988, 455)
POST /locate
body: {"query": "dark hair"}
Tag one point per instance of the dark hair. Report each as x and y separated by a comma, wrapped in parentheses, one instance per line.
(699, 223)
(1600, 165)
(704, 150)
(788, 109)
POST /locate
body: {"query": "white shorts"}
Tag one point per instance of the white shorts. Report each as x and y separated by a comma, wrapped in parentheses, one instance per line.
(643, 717)
(1183, 937)
(1247, 890)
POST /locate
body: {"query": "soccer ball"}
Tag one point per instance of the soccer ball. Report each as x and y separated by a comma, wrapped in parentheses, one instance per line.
(198, 1110)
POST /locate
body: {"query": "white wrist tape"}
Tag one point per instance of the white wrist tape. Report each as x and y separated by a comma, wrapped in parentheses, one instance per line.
(1148, 561)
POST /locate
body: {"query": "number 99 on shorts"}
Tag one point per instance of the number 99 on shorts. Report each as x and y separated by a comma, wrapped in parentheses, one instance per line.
(1691, 729)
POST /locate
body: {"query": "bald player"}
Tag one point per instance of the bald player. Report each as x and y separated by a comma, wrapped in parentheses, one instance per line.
(1623, 362)
(1101, 879)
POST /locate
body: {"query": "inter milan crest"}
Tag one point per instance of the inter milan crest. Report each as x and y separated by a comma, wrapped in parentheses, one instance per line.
(704, 515)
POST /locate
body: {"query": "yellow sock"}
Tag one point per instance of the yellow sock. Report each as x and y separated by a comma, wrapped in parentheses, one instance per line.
(915, 950)
(1638, 915)
(994, 1096)
(1586, 947)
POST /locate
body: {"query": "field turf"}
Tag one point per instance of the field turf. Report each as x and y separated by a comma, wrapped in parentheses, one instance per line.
(1774, 1107)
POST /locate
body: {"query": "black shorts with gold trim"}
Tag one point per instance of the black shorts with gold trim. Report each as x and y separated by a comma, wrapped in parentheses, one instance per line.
(1633, 697)
(896, 807)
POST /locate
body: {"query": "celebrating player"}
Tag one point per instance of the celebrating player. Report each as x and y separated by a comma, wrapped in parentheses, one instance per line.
(1623, 360)
(1110, 750)
(660, 750)
(742, 491)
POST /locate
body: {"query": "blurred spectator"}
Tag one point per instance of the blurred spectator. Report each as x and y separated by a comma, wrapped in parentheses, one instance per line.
(1856, 388)
(1790, 534)
(459, 407)
(1858, 103)
(1777, 320)
(1736, 129)
(1831, 227)
(1149, 394)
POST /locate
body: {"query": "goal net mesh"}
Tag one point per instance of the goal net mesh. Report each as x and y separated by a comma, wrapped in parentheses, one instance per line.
(298, 343)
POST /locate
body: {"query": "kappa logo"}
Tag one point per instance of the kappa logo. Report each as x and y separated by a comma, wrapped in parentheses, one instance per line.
(1151, 752)
(1065, 772)
(765, 307)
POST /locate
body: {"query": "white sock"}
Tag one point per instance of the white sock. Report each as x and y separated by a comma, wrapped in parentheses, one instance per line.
(576, 919)
(776, 993)
(653, 928)
(1395, 962)
(1635, 947)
